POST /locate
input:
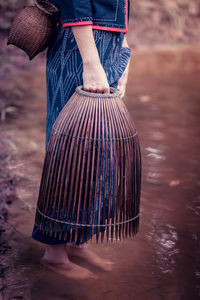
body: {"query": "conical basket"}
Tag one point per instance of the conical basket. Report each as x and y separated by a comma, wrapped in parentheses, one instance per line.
(91, 176)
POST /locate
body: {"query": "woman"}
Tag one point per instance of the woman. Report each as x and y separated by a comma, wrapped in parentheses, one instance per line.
(90, 50)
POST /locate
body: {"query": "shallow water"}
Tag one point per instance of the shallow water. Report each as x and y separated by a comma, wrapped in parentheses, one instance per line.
(163, 260)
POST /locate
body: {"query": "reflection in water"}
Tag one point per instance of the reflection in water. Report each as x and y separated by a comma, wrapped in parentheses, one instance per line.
(153, 150)
(194, 206)
(157, 136)
(155, 153)
(196, 237)
(156, 156)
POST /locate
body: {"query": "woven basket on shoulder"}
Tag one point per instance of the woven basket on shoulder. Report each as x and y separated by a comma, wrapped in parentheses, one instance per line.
(92, 171)
(34, 27)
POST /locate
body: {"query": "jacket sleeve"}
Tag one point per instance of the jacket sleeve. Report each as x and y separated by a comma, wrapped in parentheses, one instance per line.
(75, 12)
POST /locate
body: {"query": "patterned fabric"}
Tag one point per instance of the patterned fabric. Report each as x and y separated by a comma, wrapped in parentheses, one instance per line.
(64, 70)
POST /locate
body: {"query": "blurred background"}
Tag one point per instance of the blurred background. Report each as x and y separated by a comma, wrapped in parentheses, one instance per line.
(163, 97)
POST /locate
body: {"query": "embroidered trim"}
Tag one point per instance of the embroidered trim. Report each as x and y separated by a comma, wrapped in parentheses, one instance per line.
(77, 23)
(78, 19)
(109, 28)
(88, 225)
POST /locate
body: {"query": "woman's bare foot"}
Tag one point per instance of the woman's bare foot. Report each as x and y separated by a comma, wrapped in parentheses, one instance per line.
(82, 251)
(69, 270)
(56, 259)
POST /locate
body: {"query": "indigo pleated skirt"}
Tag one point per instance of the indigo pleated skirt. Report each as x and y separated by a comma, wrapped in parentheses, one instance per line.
(64, 69)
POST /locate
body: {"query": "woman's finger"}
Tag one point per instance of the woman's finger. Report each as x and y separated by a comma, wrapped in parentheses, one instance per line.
(98, 90)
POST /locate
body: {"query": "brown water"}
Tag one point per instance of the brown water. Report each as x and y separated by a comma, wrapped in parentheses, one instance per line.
(163, 260)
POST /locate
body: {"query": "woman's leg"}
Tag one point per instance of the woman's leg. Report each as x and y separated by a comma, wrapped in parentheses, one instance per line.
(56, 254)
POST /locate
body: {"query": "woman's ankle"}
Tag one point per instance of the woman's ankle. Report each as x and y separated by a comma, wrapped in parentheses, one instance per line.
(79, 246)
(56, 253)
(83, 245)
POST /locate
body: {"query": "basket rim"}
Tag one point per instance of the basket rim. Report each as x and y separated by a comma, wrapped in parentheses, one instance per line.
(113, 93)
(51, 8)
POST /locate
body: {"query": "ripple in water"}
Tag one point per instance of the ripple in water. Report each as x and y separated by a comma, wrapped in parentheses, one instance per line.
(164, 240)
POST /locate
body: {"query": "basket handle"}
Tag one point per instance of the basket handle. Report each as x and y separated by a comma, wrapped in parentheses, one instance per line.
(45, 6)
(113, 93)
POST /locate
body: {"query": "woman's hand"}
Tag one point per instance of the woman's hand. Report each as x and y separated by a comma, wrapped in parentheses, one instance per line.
(122, 82)
(94, 76)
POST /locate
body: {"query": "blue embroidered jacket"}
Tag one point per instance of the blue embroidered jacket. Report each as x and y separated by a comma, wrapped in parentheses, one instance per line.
(111, 15)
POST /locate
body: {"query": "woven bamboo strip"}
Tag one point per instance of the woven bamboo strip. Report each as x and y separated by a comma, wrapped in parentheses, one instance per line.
(135, 181)
(123, 183)
(99, 166)
(139, 167)
(77, 132)
(62, 153)
(92, 204)
(58, 137)
(55, 185)
(111, 118)
(66, 175)
(116, 151)
(108, 167)
(128, 183)
(103, 177)
(130, 176)
(127, 162)
(137, 174)
(94, 122)
(123, 175)
(126, 132)
(118, 170)
(132, 185)
(53, 138)
(77, 164)
(114, 156)
(60, 175)
(97, 137)
(133, 188)
(85, 149)
(105, 156)
(130, 215)
(101, 121)
(48, 185)
(88, 198)
(104, 162)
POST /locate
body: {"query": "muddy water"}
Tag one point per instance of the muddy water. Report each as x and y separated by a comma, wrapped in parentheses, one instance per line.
(163, 260)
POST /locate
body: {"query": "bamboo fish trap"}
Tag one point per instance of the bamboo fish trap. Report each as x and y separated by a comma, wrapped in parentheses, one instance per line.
(91, 176)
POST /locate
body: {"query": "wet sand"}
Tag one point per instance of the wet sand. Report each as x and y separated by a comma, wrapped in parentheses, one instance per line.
(163, 260)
